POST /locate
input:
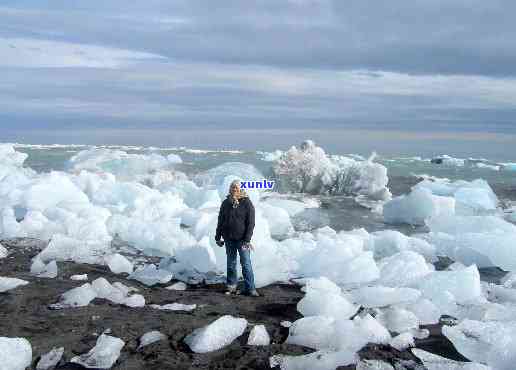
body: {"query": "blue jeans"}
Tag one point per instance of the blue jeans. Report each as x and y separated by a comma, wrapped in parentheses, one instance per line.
(232, 247)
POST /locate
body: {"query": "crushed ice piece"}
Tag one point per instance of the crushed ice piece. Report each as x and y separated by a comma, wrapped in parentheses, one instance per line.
(402, 269)
(150, 275)
(42, 270)
(82, 277)
(259, 336)
(50, 359)
(151, 337)
(420, 333)
(216, 335)
(435, 362)
(403, 341)
(7, 283)
(15, 353)
(177, 286)
(118, 263)
(286, 324)
(103, 355)
(117, 293)
(174, 307)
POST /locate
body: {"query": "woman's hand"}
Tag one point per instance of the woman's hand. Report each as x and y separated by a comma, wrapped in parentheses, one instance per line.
(248, 246)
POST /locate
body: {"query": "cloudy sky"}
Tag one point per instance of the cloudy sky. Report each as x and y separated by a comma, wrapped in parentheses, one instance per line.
(260, 74)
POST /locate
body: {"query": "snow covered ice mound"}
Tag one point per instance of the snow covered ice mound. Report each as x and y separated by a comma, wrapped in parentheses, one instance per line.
(309, 169)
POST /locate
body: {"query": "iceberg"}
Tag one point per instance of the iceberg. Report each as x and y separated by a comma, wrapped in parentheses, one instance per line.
(308, 169)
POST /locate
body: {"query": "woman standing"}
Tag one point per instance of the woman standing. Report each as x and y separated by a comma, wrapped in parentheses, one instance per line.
(236, 225)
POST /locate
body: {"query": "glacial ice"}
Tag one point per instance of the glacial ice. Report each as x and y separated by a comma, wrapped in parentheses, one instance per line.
(435, 362)
(417, 207)
(177, 286)
(402, 269)
(117, 293)
(320, 360)
(491, 343)
(258, 336)
(379, 296)
(308, 169)
(324, 303)
(216, 335)
(151, 337)
(78, 297)
(373, 365)
(403, 341)
(150, 275)
(50, 359)
(118, 263)
(15, 353)
(397, 319)
(103, 355)
(42, 270)
(7, 283)
(174, 307)
(3, 251)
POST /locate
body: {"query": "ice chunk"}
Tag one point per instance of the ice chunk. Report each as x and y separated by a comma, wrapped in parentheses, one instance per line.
(63, 248)
(50, 359)
(509, 280)
(259, 336)
(464, 285)
(103, 355)
(435, 362)
(177, 286)
(174, 307)
(79, 277)
(118, 162)
(117, 293)
(41, 270)
(216, 335)
(151, 337)
(417, 207)
(491, 342)
(323, 303)
(470, 224)
(308, 169)
(385, 243)
(373, 365)
(402, 269)
(7, 283)
(320, 360)
(78, 297)
(118, 263)
(426, 311)
(321, 284)
(321, 332)
(200, 258)
(403, 341)
(3, 251)
(282, 226)
(149, 275)
(15, 353)
(379, 296)
(398, 319)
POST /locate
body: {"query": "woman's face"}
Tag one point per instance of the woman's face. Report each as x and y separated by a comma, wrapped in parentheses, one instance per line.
(235, 190)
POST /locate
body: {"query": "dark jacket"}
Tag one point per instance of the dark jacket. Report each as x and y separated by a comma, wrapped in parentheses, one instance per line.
(236, 223)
